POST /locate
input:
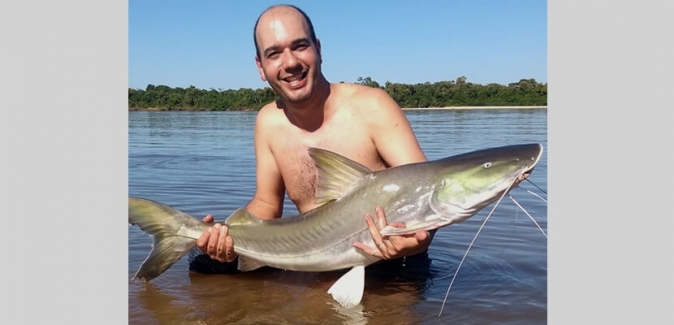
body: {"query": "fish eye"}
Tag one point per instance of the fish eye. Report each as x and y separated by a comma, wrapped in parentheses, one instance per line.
(487, 164)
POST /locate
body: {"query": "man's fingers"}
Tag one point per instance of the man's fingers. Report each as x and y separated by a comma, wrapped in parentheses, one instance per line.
(367, 249)
(376, 237)
(373, 229)
(202, 241)
(213, 241)
(381, 217)
(397, 225)
(219, 246)
(422, 235)
(229, 249)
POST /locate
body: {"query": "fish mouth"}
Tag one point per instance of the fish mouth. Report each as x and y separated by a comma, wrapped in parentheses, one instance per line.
(524, 175)
(527, 170)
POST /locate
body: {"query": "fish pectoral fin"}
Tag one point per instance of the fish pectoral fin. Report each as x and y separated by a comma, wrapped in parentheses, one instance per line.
(248, 264)
(411, 228)
(348, 290)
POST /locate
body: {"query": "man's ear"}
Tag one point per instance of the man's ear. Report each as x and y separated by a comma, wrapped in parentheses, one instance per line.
(259, 68)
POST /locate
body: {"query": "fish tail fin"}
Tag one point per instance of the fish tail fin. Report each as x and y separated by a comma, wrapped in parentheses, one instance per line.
(174, 234)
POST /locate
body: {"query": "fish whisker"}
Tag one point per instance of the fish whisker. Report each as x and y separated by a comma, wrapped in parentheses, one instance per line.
(540, 189)
(510, 239)
(527, 213)
(471, 245)
(538, 196)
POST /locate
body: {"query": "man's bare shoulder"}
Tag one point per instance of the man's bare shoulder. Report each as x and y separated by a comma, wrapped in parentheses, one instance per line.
(359, 91)
(271, 113)
(368, 103)
(365, 98)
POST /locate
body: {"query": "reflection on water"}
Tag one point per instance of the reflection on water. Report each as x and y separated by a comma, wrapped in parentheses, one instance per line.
(203, 163)
(270, 296)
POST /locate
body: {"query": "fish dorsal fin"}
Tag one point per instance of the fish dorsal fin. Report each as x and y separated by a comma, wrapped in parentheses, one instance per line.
(241, 217)
(336, 174)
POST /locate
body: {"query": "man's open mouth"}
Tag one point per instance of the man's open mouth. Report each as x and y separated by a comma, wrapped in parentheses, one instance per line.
(295, 79)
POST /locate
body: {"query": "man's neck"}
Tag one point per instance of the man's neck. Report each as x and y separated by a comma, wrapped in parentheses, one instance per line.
(310, 115)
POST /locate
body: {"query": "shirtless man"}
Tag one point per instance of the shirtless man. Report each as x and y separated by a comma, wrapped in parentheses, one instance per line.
(359, 122)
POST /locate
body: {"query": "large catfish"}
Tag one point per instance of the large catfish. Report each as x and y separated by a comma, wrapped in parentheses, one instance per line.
(426, 195)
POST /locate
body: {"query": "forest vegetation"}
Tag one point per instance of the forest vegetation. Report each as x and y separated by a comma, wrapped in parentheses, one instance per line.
(459, 92)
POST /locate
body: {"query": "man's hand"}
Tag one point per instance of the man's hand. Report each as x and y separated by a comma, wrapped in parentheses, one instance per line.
(216, 242)
(390, 247)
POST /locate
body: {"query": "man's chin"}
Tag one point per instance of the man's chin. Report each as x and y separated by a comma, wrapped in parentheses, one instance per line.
(297, 95)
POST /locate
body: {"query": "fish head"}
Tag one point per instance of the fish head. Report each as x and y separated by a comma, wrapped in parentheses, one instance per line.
(469, 182)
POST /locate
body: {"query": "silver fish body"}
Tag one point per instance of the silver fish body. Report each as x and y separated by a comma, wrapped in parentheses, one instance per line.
(427, 195)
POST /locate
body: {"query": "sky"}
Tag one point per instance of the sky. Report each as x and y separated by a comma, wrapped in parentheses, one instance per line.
(209, 44)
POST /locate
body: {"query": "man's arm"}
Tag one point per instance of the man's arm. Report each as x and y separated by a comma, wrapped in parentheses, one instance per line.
(392, 133)
(267, 203)
(397, 144)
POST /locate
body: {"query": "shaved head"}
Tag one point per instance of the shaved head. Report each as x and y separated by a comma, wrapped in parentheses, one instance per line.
(278, 8)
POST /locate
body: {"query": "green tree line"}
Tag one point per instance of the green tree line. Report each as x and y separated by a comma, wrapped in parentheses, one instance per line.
(526, 92)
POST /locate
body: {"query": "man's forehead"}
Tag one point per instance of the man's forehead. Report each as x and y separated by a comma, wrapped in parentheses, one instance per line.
(282, 21)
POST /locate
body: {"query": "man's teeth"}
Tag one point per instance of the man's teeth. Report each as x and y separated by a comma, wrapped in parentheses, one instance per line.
(294, 79)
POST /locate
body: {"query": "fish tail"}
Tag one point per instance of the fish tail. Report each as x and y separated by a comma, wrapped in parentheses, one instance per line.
(174, 234)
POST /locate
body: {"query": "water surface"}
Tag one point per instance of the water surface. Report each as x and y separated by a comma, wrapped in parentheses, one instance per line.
(203, 163)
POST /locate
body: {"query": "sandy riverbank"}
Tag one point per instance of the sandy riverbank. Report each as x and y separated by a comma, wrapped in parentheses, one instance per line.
(404, 109)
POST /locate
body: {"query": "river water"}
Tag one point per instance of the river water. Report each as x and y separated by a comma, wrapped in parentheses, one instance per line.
(203, 163)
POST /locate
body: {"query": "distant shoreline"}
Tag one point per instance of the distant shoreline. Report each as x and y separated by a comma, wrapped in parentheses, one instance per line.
(474, 107)
(404, 109)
